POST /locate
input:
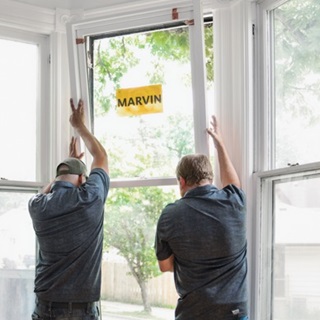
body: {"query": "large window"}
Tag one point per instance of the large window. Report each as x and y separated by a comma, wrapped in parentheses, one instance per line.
(23, 78)
(142, 147)
(289, 270)
(143, 51)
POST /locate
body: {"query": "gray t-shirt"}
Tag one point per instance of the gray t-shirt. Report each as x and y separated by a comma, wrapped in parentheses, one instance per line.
(68, 223)
(206, 232)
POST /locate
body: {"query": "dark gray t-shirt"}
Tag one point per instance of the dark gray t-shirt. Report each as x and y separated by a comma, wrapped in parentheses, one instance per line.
(68, 223)
(206, 232)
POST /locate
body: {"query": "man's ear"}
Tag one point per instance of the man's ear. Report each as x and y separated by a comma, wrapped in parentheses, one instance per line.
(182, 182)
(182, 186)
(81, 179)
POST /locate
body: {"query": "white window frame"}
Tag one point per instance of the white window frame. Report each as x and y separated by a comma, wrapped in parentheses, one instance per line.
(43, 108)
(43, 113)
(265, 175)
(264, 78)
(265, 182)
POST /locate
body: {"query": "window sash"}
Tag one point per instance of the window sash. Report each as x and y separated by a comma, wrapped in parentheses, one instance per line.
(42, 107)
(147, 17)
(265, 230)
(17, 269)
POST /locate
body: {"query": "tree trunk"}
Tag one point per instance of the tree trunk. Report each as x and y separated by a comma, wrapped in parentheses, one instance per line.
(145, 296)
(143, 287)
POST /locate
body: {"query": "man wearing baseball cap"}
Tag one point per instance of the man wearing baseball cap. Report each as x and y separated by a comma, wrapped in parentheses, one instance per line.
(68, 217)
(71, 166)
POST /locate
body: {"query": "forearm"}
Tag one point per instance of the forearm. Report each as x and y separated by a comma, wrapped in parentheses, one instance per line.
(95, 148)
(167, 264)
(47, 188)
(91, 142)
(99, 154)
(228, 174)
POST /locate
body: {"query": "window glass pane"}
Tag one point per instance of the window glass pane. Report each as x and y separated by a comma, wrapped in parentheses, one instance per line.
(18, 120)
(17, 257)
(296, 256)
(297, 82)
(147, 145)
(130, 270)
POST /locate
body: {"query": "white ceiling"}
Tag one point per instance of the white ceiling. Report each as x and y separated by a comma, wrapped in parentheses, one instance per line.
(73, 4)
(83, 4)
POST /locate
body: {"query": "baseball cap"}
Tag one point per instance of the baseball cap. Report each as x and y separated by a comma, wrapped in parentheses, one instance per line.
(75, 166)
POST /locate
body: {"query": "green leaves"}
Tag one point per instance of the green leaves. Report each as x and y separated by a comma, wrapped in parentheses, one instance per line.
(131, 216)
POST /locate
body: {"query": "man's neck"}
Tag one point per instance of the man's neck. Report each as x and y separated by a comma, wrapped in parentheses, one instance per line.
(200, 184)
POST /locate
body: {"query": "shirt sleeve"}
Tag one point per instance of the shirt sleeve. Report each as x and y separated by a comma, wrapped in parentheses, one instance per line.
(37, 203)
(162, 248)
(98, 178)
(236, 193)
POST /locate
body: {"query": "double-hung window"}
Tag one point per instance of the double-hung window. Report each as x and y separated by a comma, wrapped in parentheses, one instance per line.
(23, 65)
(289, 264)
(143, 75)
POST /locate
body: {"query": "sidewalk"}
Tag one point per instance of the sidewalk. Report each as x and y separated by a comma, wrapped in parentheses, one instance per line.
(131, 311)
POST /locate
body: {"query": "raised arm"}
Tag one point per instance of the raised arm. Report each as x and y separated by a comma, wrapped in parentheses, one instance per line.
(228, 173)
(74, 149)
(99, 154)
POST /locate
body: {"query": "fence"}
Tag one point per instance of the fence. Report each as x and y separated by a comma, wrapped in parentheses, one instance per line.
(119, 285)
(16, 292)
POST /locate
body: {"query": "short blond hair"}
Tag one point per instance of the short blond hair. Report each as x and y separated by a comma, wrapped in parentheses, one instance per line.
(194, 168)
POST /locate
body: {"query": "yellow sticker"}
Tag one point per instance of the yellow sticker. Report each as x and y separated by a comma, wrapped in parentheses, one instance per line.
(139, 100)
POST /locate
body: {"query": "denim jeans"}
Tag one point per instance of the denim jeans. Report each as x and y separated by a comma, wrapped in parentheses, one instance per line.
(244, 318)
(48, 312)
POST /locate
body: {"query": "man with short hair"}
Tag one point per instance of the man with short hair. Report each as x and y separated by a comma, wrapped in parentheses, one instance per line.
(68, 218)
(202, 239)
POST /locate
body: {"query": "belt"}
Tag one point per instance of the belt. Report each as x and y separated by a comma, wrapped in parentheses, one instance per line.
(66, 305)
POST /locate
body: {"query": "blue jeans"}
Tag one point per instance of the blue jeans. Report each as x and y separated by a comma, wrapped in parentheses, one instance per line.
(52, 311)
(244, 318)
